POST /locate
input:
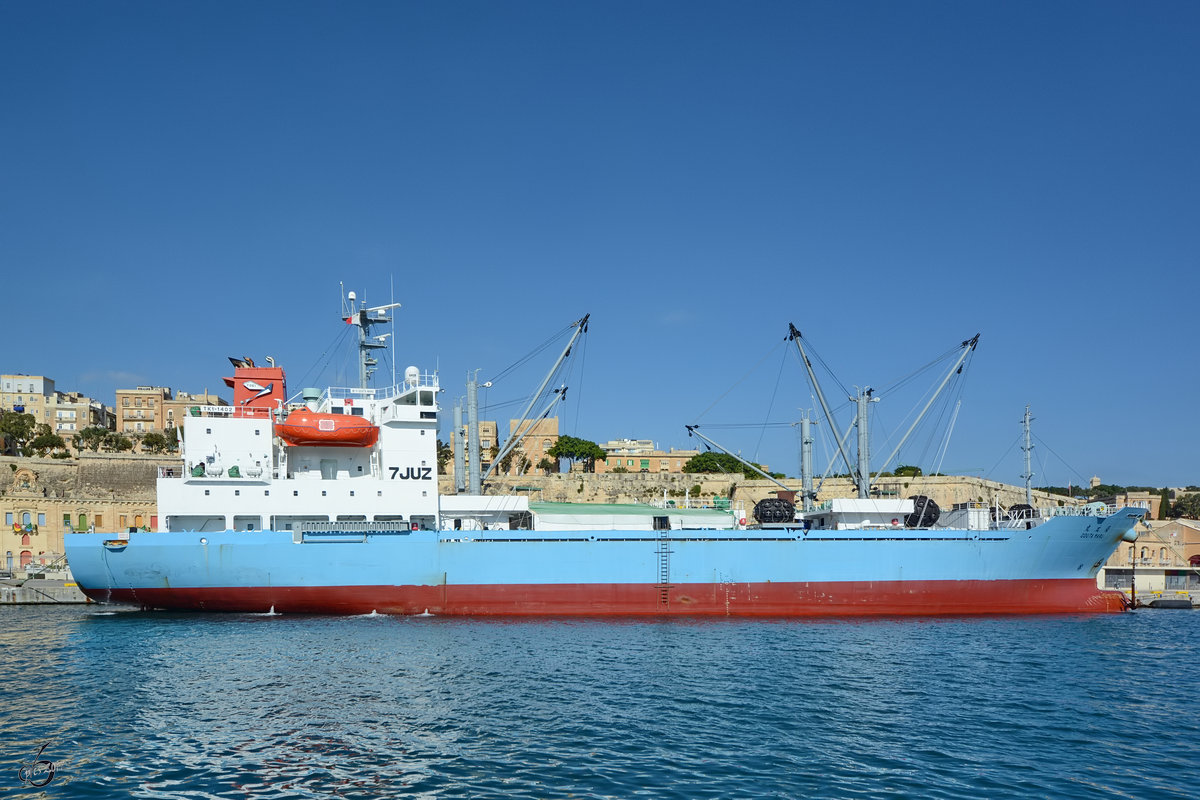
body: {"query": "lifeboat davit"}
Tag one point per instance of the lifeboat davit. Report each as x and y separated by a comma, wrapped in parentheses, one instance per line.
(304, 428)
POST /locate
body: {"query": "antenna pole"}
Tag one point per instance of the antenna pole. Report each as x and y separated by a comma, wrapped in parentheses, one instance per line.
(806, 462)
(863, 479)
(473, 432)
(460, 464)
(1028, 448)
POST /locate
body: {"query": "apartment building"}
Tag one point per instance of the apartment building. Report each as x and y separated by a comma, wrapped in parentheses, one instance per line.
(140, 410)
(27, 394)
(641, 455)
(181, 405)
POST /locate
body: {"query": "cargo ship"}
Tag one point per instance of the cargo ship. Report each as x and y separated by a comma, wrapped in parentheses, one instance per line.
(330, 505)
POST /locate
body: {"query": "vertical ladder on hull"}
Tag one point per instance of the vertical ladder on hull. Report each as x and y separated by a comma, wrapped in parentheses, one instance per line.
(663, 527)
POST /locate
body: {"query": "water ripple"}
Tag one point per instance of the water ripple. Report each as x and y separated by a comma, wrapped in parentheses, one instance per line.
(160, 705)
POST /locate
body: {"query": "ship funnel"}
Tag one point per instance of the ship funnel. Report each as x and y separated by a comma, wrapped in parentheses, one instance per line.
(311, 396)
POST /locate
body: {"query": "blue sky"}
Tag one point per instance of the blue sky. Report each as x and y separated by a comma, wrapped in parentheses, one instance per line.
(185, 181)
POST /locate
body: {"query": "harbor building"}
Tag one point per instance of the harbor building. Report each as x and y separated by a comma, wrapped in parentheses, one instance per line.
(140, 410)
(487, 441)
(27, 394)
(43, 499)
(641, 455)
(182, 404)
(1150, 501)
(539, 436)
(66, 413)
(1163, 562)
(71, 412)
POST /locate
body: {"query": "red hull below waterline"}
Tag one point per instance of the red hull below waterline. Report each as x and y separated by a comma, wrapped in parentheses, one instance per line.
(833, 599)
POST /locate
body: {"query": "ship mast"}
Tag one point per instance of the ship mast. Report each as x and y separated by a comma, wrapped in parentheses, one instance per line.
(863, 400)
(354, 313)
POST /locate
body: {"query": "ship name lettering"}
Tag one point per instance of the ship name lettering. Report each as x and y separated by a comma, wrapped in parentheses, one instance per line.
(412, 473)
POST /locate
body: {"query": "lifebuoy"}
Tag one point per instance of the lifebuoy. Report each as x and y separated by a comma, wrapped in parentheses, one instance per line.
(742, 521)
(895, 521)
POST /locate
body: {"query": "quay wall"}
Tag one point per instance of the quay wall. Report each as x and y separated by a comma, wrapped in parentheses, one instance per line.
(40, 592)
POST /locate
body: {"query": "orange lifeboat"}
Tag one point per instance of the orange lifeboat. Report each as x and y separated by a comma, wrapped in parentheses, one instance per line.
(304, 428)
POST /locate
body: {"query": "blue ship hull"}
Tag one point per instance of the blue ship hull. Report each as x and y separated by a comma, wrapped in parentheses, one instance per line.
(782, 571)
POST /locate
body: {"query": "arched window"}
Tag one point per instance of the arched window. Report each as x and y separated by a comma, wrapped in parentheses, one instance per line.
(25, 539)
(26, 557)
(1162, 554)
(1132, 553)
(137, 521)
(1145, 553)
(83, 522)
(26, 519)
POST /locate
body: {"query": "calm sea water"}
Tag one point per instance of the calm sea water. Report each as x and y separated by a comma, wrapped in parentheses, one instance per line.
(158, 705)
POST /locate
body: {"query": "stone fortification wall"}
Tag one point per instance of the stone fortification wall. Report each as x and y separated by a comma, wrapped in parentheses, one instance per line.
(51, 477)
(121, 476)
(56, 496)
(91, 476)
(650, 487)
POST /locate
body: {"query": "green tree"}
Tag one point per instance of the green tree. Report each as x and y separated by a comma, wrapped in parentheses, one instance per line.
(117, 443)
(1187, 505)
(1164, 504)
(1106, 490)
(722, 463)
(546, 465)
(154, 442)
(172, 437)
(45, 441)
(581, 450)
(516, 455)
(92, 438)
(444, 454)
(18, 427)
(907, 471)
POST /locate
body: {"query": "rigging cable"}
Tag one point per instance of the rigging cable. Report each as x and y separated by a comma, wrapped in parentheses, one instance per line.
(813, 352)
(770, 406)
(327, 354)
(988, 474)
(533, 353)
(1078, 474)
(700, 416)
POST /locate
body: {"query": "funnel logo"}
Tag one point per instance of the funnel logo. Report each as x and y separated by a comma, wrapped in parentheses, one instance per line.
(254, 386)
